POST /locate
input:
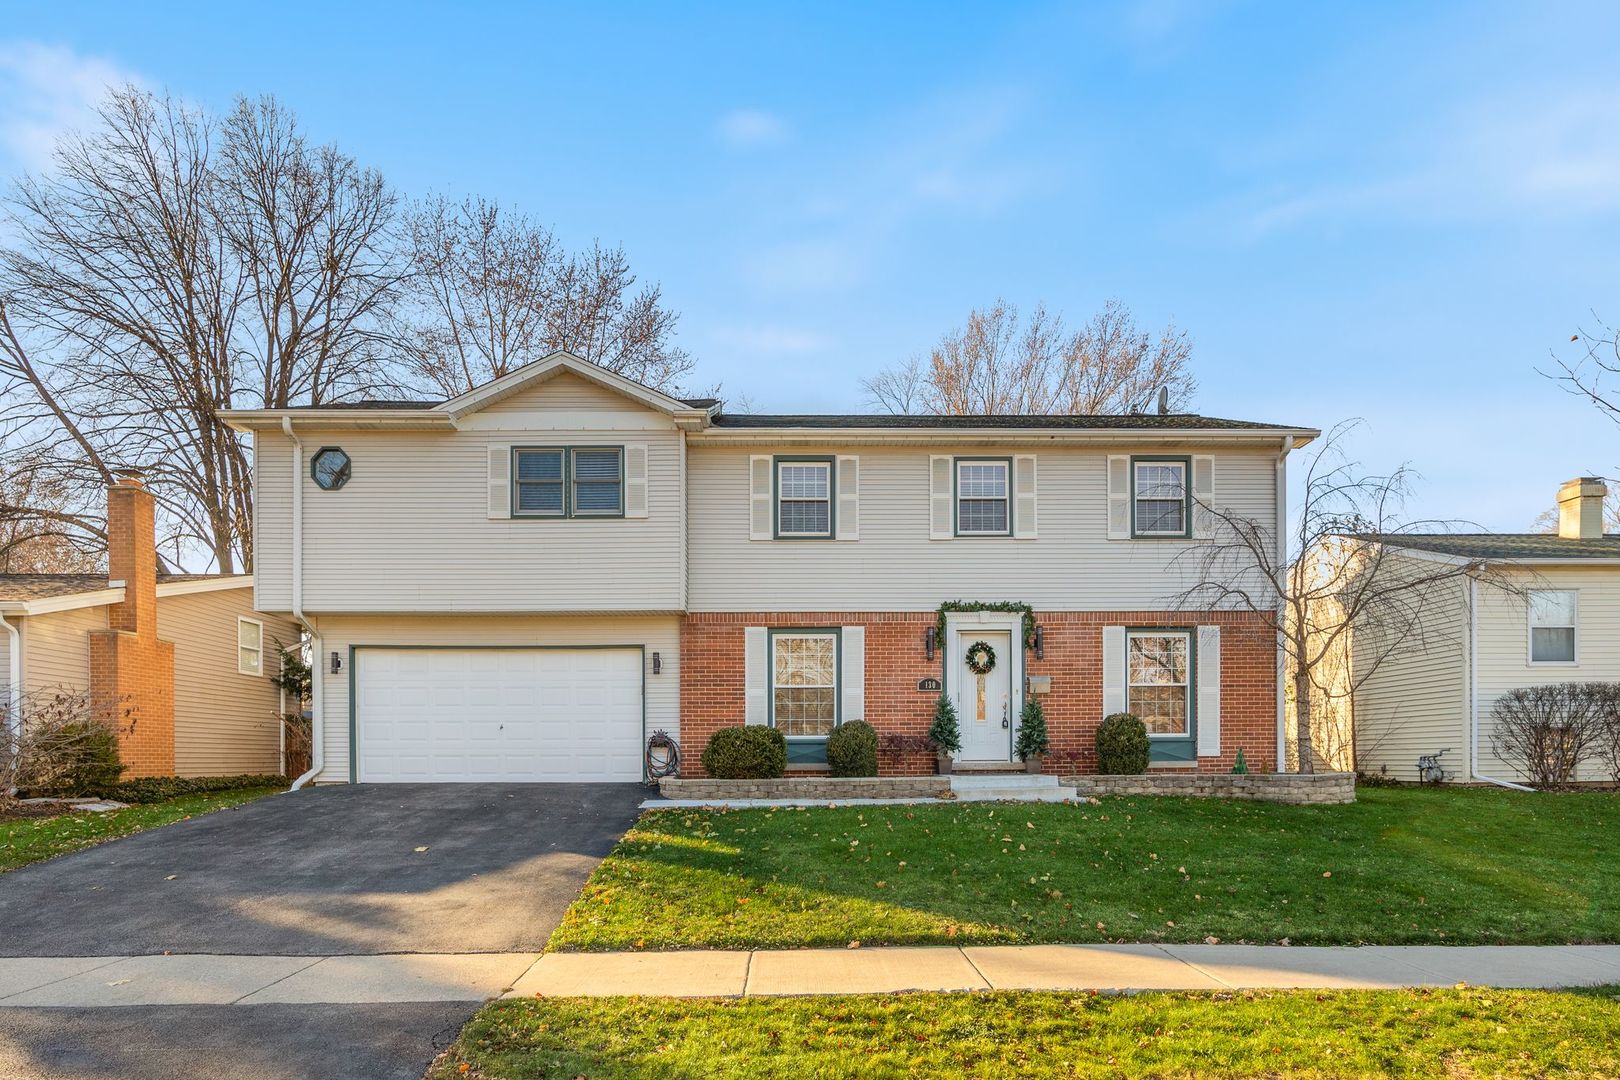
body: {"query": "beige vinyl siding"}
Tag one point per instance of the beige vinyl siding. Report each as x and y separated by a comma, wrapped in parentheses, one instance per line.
(410, 531)
(1504, 650)
(224, 722)
(1415, 701)
(1071, 566)
(659, 634)
(56, 648)
(563, 393)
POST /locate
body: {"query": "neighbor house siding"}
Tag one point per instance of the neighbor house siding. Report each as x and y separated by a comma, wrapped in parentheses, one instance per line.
(659, 634)
(56, 648)
(1504, 657)
(1415, 702)
(224, 722)
(1071, 566)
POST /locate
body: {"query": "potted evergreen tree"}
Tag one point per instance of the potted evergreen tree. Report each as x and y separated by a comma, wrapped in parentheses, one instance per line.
(1032, 744)
(945, 733)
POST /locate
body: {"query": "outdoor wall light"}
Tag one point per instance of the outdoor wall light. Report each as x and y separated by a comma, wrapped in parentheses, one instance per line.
(658, 664)
(928, 642)
(337, 662)
(1040, 643)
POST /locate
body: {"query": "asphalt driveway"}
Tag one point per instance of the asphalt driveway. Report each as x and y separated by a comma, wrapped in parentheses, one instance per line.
(339, 870)
(447, 868)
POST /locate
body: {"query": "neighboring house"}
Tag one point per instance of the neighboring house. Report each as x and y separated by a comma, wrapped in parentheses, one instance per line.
(184, 659)
(522, 582)
(1560, 622)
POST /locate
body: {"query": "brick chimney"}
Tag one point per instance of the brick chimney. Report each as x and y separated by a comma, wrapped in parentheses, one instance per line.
(131, 670)
(1580, 508)
(132, 553)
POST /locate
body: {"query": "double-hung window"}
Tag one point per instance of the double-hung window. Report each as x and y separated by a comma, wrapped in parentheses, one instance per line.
(1552, 626)
(1158, 674)
(804, 494)
(249, 646)
(560, 482)
(804, 683)
(982, 507)
(1159, 505)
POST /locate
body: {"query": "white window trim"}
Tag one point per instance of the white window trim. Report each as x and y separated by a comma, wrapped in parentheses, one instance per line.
(826, 467)
(1186, 635)
(1188, 504)
(837, 680)
(956, 496)
(1530, 629)
(240, 670)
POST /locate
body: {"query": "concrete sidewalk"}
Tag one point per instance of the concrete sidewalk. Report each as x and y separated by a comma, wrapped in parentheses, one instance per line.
(1065, 967)
(193, 979)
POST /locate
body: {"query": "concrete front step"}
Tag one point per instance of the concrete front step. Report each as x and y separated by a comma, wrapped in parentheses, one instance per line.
(1030, 781)
(1061, 794)
(1013, 787)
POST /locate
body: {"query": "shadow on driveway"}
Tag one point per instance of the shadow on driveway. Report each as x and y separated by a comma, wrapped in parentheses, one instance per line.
(343, 869)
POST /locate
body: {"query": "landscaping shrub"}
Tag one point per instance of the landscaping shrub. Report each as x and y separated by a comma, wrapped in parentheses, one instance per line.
(161, 788)
(754, 752)
(90, 762)
(58, 743)
(1032, 740)
(946, 731)
(852, 749)
(1122, 745)
(1548, 730)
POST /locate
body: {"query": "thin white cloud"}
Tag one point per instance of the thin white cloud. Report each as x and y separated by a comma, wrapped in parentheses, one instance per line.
(768, 339)
(1529, 154)
(751, 127)
(46, 90)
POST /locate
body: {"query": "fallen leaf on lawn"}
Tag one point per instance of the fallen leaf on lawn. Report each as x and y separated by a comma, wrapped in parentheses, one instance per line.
(1327, 873)
(1212, 940)
(854, 945)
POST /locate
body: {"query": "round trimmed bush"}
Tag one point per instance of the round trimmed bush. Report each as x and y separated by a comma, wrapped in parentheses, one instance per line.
(754, 752)
(1122, 745)
(852, 749)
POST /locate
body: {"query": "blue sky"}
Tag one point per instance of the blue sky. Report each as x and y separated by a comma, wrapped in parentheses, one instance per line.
(1390, 211)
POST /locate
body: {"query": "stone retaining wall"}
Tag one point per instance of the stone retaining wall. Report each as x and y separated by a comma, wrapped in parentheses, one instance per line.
(809, 787)
(1315, 789)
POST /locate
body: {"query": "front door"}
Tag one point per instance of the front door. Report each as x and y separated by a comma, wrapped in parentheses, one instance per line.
(984, 697)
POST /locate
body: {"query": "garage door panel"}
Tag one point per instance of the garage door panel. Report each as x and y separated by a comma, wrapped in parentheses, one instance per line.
(516, 714)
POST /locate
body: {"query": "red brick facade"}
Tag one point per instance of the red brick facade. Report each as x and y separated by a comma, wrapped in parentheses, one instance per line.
(712, 665)
(131, 670)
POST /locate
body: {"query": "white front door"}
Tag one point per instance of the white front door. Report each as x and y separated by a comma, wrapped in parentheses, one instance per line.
(984, 701)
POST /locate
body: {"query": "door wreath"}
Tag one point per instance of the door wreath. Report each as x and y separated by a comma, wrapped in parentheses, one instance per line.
(981, 658)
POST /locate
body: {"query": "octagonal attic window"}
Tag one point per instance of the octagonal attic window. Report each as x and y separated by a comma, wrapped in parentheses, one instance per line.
(330, 468)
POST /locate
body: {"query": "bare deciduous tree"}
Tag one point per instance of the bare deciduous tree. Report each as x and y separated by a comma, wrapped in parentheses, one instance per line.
(1548, 730)
(492, 290)
(1000, 364)
(170, 266)
(1333, 578)
(1591, 374)
(56, 739)
(39, 532)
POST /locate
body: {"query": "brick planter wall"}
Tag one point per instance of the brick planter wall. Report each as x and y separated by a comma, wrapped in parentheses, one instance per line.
(711, 673)
(1300, 790)
(809, 787)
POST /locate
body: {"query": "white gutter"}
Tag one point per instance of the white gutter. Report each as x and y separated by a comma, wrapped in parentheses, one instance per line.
(1282, 606)
(13, 681)
(1473, 692)
(317, 726)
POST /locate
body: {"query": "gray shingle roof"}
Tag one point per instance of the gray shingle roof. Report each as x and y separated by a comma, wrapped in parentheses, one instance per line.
(41, 586)
(1128, 421)
(1505, 546)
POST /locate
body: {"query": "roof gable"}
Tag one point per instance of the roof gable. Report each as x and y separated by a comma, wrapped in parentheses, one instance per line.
(560, 363)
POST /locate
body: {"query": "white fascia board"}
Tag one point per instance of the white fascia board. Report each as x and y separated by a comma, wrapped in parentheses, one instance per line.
(46, 605)
(202, 585)
(249, 420)
(850, 435)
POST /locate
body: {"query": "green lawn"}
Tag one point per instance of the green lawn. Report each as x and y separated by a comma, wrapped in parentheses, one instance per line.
(1398, 866)
(1466, 1032)
(26, 840)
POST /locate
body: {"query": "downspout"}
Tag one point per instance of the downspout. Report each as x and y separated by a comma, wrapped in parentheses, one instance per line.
(1473, 692)
(317, 726)
(1282, 605)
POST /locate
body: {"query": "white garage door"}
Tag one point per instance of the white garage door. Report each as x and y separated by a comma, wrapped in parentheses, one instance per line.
(497, 715)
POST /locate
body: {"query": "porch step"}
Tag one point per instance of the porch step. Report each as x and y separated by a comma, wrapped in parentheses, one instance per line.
(1010, 787)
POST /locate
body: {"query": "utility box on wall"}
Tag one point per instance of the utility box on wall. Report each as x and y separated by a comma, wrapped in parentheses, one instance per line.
(1040, 684)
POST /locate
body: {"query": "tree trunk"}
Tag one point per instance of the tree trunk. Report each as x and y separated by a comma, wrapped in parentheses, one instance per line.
(1302, 718)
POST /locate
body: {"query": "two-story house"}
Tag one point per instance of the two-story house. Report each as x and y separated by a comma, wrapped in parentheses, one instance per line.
(523, 582)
